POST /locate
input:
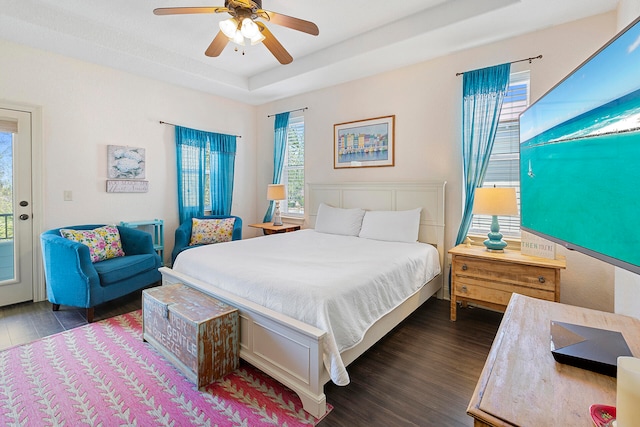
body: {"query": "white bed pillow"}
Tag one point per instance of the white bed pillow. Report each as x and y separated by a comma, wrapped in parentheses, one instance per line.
(392, 226)
(332, 220)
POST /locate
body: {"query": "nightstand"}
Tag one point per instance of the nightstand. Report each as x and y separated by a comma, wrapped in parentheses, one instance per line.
(269, 228)
(489, 278)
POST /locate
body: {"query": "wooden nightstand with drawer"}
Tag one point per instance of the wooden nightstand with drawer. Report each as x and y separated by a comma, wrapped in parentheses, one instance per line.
(269, 228)
(489, 278)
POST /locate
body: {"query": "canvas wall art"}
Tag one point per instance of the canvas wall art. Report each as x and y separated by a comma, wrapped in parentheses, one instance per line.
(125, 162)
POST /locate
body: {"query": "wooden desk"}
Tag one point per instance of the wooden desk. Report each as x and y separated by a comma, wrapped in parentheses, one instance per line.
(269, 228)
(522, 384)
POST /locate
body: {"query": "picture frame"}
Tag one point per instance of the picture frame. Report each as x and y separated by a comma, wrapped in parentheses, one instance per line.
(364, 143)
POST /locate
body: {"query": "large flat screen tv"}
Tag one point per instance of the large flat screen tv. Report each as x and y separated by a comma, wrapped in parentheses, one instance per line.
(580, 156)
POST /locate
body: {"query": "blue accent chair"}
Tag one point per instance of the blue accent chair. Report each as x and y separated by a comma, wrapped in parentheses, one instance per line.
(72, 279)
(183, 233)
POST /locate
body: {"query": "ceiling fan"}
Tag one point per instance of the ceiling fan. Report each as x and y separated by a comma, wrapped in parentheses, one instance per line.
(243, 24)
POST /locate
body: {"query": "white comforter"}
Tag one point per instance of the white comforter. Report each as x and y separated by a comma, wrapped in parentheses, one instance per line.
(339, 284)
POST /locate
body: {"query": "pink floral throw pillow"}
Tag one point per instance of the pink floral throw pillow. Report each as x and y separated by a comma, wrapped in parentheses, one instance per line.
(103, 242)
(206, 231)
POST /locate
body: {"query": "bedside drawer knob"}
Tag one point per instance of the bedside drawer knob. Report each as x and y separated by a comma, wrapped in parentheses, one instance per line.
(464, 289)
(464, 267)
(541, 279)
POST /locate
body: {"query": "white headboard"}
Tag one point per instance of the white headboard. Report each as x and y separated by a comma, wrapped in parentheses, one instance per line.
(387, 196)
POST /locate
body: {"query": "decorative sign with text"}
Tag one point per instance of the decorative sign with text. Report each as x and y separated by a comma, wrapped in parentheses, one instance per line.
(127, 186)
(537, 246)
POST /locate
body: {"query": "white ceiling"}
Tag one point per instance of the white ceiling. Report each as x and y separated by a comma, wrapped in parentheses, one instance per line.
(357, 38)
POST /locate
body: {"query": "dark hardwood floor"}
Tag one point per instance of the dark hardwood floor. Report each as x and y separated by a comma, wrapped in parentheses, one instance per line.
(422, 373)
(22, 323)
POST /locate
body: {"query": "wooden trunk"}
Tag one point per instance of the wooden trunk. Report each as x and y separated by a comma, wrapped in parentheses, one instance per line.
(196, 332)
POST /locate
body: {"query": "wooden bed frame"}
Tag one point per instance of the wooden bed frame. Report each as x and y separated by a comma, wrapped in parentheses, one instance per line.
(289, 350)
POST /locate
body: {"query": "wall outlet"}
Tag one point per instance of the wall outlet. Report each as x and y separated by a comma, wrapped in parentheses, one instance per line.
(68, 195)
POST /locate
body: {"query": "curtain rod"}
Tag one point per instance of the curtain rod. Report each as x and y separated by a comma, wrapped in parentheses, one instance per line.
(292, 111)
(513, 62)
(172, 124)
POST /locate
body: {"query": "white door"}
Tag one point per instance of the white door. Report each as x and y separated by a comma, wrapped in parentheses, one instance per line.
(16, 225)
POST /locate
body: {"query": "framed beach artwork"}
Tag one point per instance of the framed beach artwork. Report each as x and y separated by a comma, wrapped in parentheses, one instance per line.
(364, 143)
(125, 162)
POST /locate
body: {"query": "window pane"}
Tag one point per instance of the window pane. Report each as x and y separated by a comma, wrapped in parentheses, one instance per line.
(293, 174)
(6, 186)
(190, 166)
(504, 163)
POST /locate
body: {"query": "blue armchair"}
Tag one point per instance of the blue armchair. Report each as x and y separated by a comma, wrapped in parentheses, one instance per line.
(72, 279)
(183, 233)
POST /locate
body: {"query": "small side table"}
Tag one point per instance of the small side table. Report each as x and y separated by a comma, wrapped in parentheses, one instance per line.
(269, 228)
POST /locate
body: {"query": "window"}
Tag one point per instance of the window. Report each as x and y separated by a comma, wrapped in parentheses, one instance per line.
(205, 172)
(293, 171)
(504, 163)
(6, 179)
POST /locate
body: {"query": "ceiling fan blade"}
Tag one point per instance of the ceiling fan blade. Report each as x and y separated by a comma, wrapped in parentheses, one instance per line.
(274, 45)
(291, 22)
(188, 10)
(217, 45)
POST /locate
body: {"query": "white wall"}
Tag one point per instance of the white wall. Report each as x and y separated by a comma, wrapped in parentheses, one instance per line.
(628, 10)
(627, 286)
(86, 107)
(426, 100)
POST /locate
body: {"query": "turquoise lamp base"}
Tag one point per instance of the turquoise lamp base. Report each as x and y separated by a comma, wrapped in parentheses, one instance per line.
(494, 243)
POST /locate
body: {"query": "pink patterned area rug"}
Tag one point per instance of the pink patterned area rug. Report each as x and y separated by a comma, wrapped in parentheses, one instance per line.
(103, 374)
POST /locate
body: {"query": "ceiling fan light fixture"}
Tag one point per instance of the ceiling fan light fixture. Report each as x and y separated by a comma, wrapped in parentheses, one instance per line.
(258, 38)
(245, 26)
(238, 38)
(229, 27)
(249, 28)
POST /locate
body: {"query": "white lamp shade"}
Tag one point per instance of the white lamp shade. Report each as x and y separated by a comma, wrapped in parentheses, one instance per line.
(495, 201)
(257, 39)
(238, 38)
(628, 391)
(276, 192)
(229, 27)
(249, 28)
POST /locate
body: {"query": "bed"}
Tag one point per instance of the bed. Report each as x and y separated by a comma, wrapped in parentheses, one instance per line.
(301, 339)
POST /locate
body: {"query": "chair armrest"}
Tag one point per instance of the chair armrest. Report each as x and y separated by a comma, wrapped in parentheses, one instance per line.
(237, 229)
(69, 272)
(135, 242)
(182, 239)
(183, 234)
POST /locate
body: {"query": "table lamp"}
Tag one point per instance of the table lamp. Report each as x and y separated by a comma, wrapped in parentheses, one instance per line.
(276, 192)
(495, 201)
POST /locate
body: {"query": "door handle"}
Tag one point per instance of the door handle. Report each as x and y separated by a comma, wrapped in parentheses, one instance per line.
(24, 203)
(24, 217)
